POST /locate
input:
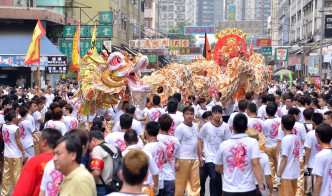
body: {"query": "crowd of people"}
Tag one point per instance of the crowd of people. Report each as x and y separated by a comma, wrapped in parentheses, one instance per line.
(279, 140)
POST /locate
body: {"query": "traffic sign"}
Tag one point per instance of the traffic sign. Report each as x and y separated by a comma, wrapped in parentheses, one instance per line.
(267, 51)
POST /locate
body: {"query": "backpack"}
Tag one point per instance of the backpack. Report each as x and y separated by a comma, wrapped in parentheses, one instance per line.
(116, 184)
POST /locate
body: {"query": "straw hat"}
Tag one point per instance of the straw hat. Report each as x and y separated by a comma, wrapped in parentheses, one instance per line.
(251, 132)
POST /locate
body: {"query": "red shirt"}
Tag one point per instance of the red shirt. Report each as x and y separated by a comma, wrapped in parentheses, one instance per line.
(32, 174)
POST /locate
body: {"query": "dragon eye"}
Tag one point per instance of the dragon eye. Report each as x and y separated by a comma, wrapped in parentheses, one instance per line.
(160, 89)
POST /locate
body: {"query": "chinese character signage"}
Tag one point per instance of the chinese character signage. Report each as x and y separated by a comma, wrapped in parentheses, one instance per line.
(57, 69)
(193, 50)
(263, 42)
(281, 54)
(65, 46)
(180, 43)
(108, 45)
(231, 12)
(153, 57)
(68, 31)
(105, 17)
(267, 51)
(328, 26)
(60, 60)
(105, 31)
(198, 30)
(18, 61)
(149, 43)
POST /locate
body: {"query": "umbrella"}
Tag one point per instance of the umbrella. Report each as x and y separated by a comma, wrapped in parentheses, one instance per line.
(284, 72)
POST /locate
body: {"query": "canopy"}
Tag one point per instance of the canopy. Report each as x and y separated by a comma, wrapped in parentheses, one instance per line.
(284, 72)
(18, 45)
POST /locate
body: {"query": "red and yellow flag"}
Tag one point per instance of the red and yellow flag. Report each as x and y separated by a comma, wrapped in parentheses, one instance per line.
(76, 49)
(33, 55)
(251, 48)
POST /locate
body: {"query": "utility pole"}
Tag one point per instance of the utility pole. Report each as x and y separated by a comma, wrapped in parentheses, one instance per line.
(321, 41)
(139, 24)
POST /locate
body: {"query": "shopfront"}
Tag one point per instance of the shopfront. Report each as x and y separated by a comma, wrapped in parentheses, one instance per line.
(13, 49)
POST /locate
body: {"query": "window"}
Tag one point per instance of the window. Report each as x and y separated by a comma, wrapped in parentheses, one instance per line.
(163, 16)
(164, 8)
(171, 8)
(171, 16)
(146, 22)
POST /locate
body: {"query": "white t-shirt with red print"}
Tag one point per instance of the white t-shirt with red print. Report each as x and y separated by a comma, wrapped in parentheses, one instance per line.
(299, 131)
(117, 139)
(158, 151)
(51, 180)
(261, 113)
(323, 168)
(255, 123)
(172, 148)
(187, 135)
(290, 147)
(26, 130)
(155, 113)
(177, 120)
(71, 122)
(212, 136)
(136, 125)
(57, 125)
(11, 149)
(312, 143)
(236, 156)
(270, 131)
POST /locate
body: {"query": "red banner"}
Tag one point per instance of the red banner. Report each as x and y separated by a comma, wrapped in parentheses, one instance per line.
(263, 42)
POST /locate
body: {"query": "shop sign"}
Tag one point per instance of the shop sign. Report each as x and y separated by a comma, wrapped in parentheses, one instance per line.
(60, 60)
(105, 17)
(328, 26)
(180, 43)
(152, 58)
(66, 47)
(281, 54)
(149, 43)
(313, 65)
(267, 51)
(198, 30)
(57, 69)
(18, 61)
(192, 50)
(263, 42)
(298, 67)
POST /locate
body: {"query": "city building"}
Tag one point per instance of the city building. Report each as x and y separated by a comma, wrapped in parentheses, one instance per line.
(205, 12)
(125, 17)
(297, 25)
(151, 18)
(172, 12)
(18, 19)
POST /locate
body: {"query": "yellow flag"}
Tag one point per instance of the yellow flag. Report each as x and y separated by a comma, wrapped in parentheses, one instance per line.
(76, 48)
(93, 40)
(33, 55)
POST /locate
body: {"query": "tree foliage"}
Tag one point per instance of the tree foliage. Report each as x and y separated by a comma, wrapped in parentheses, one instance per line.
(177, 32)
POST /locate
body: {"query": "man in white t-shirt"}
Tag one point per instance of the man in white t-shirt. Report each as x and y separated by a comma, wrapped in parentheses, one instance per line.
(253, 121)
(38, 115)
(262, 110)
(117, 138)
(136, 125)
(172, 111)
(151, 180)
(243, 104)
(70, 121)
(186, 165)
(172, 144)
(211, 135)
(301, 101)
(49, 97)
(228, 110)
(156, 148)
(311, 145)
(270, 131)
(288, 104)
(135, 160)
(237, 159)
(289, 158)
(328, 117)
(120, 109)
(202, 108)
(156, 111)
(323, 167)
